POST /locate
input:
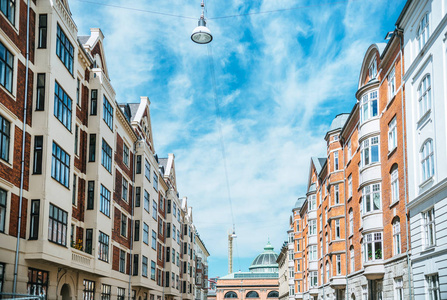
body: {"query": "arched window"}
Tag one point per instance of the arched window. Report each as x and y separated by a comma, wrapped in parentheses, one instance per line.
(423, 31)
(427, 160)
(328, 272)
(396, 236)
(424, 95)
(352, 259)
(394, 184)
(273, 294)
(230, 295)
(252, 294)
(351, 221)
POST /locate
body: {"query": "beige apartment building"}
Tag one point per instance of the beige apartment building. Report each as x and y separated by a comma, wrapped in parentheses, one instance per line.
(101, 215)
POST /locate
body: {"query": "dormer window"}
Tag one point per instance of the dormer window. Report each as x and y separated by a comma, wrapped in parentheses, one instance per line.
(372, 70)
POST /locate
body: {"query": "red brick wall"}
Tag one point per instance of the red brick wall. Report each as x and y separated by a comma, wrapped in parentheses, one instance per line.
(80, 162)
(116, 233)
(82, 111)
(119, 157)
(79, 210)
(118, 193)
(14, 216)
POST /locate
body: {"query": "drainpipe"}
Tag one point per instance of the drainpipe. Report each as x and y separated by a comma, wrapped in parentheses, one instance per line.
(131, 217)
(346, 222)
(22, 167)
(399, 33)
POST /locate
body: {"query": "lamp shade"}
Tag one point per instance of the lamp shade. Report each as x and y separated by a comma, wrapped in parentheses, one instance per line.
(201, 34)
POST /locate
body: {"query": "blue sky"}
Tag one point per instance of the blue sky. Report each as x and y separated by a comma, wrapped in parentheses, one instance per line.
(281, 77)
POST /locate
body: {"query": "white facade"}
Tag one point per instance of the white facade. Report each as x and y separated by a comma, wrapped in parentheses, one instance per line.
(424, 27)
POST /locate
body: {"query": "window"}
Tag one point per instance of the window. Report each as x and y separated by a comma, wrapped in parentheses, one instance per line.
(423, 32)
(122, 263)
(350, 186)
(74, 190)
(424, 95)
(352, 259)
(78, 91)
(337, 229)
(106, 156)
(92, 148)
(38, 143)
(372, 69)
(312, 202)
(137, 196)
(364, 292)
(313, 279)
(396, 236)
(137, 230)
(145, 233)
(104, 205)
(144, 268)
(138, 171)
(64, 49)
(123, 225)
(108, 113)
(126, 155)
(40, 92)
(398, 289)
(392, 135)
(154, 240)
(147, 170)
(90, 195)
(313, 255)
(146, 201)
(351, 221)
(372, 244)
(62, 106)
(370, 151)
(121, 294)
(88, 241)
(336, 195)
(335, 161)
(338, 264)
(94, 102)
(152, 270)
(160, 252)
(106, 292)
(124, 190)
(37, 282)
(8, 8)
(371, 196)
(155, 183)
(154, 209)
(60, 168)
(368, 106)
(349, 150)
(391, 84)
(2, 276)
(42, 42)
(230, 295)
(427, 160)
(328, 272)
(34, 218)
(57, 225)
(312, 227)
(394, 184)
(6, 67)
(428, 226)
(252, 294)
(432, 284)
(103, 247)
(89, 290)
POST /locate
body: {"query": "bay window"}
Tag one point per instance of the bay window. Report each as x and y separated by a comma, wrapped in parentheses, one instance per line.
(368, 106)
(372, 244)
(371, 196)
(370, 151)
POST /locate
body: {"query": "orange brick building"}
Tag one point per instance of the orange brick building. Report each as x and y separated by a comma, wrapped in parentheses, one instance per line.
(350, 231)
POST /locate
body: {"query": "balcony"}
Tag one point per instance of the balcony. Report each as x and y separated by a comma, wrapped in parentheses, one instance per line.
(370, 173)
(80, 260)
(368, 127)
(338, 282)
(374, 270)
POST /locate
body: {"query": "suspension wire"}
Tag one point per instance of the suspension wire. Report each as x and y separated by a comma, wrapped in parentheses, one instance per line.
(219, 125)
(217, 17)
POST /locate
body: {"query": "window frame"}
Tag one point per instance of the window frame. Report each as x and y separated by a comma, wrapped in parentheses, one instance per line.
(5, 138)
(397, 247)
(88, 293)
(424, 96)
(64, 49)
(427, 160)
(34, 220)
(103, 247)
(105, 198)
(106, 157)
(37, 154)
(391, 83)
(145, 233)
(367, 151)
(372, 190)
(373, 239)
(10, 13)
(40, 91)
(57, 225)
(369, 106)
(94, 102)
(63, 106)
(122, 261)
(8, 63)
(392, 135)
(107, 115)
(428, 218)
(423, 31)
(37, 282)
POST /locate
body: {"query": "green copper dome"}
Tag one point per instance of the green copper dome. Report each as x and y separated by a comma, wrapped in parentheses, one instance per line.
(266, 261)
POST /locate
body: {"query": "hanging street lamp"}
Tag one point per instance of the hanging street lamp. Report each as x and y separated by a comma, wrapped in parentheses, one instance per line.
(201, 34)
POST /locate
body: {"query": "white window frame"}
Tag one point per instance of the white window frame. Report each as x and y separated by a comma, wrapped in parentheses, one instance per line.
(396, 237)
(350, 186)
(375, 239)
(392, 135)
(338, 264)
(392, 83)
(423, 33)
(372, 69)
(337, 229)
(312, 227)
(432, 286)
(398, 288)
(369, 106)
(336, 162)
(352, 259)
(349, 150)
(429, 227)
(427, 160)
(394, 185)
(367, 149)
(370, 194)
(351, 222)
(312, 202)
(336, 194)
(424, 96)
(313, 254)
